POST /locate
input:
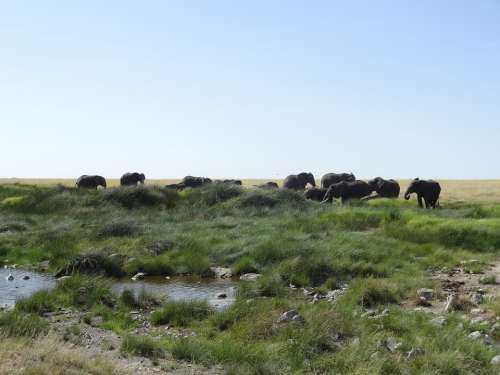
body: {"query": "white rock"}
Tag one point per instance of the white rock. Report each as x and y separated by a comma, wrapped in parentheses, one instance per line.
(495, 360)
(222, 272)
(476, 335)
(426, 294)
(250, 277)
(439, 321)
(9, 277)
(392, 344)
(138, 276)
(291, 316)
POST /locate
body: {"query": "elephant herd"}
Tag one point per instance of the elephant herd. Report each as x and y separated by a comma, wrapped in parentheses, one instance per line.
(343, 186)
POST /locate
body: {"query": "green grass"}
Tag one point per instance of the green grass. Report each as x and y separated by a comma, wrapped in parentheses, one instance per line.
(16, 324)
(181, 313)
(383, 249)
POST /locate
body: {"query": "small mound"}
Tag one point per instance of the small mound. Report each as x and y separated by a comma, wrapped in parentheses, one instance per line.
(138, 196)
(95, 264)
(119, 229)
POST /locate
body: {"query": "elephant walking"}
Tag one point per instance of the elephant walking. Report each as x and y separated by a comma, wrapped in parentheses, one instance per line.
(333, 178)
(90, 182)
(428, 190)
(299, 181)
(315, 194)
(348, 190)
(190, 182)
(385, 188)
(268, 185)
(132, 179)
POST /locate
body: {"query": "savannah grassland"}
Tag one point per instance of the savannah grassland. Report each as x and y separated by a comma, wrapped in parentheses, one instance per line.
(384, 250)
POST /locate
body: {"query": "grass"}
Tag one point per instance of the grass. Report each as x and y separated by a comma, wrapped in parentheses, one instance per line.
(180, 314)
(383, 249)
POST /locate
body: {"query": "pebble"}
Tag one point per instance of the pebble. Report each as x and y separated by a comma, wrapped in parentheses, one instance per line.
(250, 277)
(138, 276)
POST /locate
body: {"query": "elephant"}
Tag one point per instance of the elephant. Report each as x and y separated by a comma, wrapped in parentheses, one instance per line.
(348, 190)
(190, 182)
(333, 178)
(429, 190)
(268, 185)
(299, 181)
(385, 188)
(90, 182)
(132, 179)
(315, 194)
(229, 182)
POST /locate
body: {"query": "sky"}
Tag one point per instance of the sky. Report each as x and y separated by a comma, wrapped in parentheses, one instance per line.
(250, 89)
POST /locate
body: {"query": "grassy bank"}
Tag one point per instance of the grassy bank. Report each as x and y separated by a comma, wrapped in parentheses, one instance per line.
(384, 250)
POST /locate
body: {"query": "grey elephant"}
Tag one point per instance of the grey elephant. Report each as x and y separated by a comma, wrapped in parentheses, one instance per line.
(268, 185)
(299, 181)
(348, 190)
(385, 188)
(90, 182)
(132, 179)
(229, 182)
(190, 182)
(315, 194)
(428, 190)
(333, 178)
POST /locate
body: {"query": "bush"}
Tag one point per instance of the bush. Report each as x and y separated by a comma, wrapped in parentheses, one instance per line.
(142, 346)
(120, 229)
(376, 293)
(181, 313)
(13, 226)
(213, 193)
(158, 266)
(258, 199)
(244, 265)
(96, 264)
(140, 195)
(15, 323)
(38, 303)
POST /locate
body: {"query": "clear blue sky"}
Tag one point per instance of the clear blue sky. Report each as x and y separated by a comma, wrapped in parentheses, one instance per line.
(250, 88)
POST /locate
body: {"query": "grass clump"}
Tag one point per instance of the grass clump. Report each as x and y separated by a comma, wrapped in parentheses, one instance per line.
(17, 324)
(181, 313)
(488, 280)
(126, 228)
(142, 346)
(211, 194)
(142, 196)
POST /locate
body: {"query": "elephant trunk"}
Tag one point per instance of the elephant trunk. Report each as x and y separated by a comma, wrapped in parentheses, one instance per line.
(407, 195)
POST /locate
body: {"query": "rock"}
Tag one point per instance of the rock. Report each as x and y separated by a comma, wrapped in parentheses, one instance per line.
(368, 314)
(221, 295)
(414, 352)
(138, 276)
(495, 361)
(221, 272)
(62, 278)
(439, 321)
(477, 298)
(425, 294)
(469, 262)
(477, 320)
(392, 344)
(43, 266)
(317, 297)
(423, 302)
(476, 335)
(9, 277)
(291, 316)
(451, 303)
(26, 277)
(250, 277)
(476, 311)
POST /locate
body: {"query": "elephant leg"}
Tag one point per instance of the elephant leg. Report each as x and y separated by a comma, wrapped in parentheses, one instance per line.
(427, 203)
(419, 199)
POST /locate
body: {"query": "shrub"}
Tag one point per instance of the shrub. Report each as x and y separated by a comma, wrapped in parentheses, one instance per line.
(38, 303)
(244, 265)
(119, 229)
(140, 195)
(181, 313)
(158, 266)
(91, 264)
(258, 199)
(214, 193)
(377, 293)
(142, 346)
(14, 324)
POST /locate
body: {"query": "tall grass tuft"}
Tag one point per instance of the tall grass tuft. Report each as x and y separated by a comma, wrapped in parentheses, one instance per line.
(181, 313)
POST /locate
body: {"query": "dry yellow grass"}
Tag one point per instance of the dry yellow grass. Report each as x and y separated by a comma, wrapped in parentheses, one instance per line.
(487, 191)
(50, 356)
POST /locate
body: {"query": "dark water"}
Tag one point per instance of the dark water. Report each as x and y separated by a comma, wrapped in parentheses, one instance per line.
(176, 289)
(10, 291)
(183, 289)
